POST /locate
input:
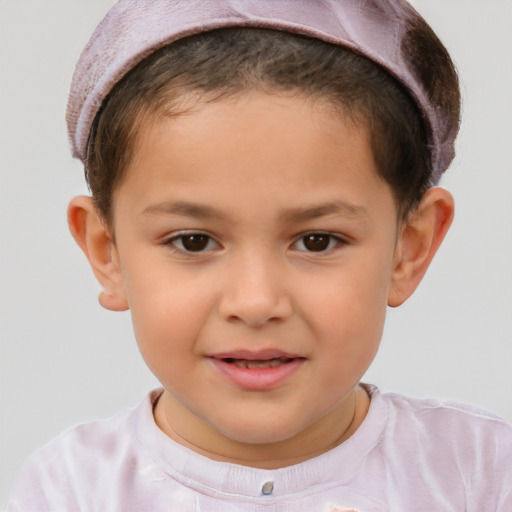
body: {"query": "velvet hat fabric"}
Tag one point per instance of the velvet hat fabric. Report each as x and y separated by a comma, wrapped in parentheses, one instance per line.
(133, 29)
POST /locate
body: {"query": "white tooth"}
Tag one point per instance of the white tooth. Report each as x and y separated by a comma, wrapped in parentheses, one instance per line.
(270, 363)
(256, 364)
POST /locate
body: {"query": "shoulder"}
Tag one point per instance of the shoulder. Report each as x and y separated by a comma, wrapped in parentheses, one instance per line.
(463, 449)
(87, 453)
(439, 418)
(83, 442)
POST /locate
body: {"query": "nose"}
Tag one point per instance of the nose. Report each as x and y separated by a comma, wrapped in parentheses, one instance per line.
(255, 292)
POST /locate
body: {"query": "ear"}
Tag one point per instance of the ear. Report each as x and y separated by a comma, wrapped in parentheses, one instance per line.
(94, 238)
(419, 238)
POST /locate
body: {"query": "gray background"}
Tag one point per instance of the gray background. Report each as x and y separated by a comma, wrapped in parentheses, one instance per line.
(65, 360)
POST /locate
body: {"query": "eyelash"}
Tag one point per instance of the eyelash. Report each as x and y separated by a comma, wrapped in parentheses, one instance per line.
(177, 242)
(333, 242)
(178, 239)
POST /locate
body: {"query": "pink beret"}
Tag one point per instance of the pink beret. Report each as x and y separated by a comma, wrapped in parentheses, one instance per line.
(135, 28)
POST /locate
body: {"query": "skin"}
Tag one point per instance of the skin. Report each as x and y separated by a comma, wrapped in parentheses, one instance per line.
(256, 174)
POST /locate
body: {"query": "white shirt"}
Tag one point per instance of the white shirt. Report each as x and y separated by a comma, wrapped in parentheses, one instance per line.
(408, 455)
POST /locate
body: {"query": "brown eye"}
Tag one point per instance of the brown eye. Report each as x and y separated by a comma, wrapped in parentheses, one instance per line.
(317, 242)
(193, 242)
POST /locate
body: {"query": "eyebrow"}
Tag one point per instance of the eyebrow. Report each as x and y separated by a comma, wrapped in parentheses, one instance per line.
(200, 211)
(321, 210)
(182, 209)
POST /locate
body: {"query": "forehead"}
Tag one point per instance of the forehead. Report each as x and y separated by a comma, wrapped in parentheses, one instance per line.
(277, 153)
(284, 130)
(223, 124)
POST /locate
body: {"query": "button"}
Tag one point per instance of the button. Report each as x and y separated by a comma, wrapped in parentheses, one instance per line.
(267, 488)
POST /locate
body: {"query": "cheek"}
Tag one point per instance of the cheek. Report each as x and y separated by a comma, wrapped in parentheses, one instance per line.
(167, 314)
(348, 310)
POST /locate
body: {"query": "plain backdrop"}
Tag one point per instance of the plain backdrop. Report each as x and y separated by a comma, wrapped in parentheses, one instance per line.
(64, 360)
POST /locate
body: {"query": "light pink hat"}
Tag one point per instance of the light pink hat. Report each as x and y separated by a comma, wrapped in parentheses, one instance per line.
(135, 28)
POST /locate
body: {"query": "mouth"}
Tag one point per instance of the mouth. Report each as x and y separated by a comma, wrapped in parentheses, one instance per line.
(262, 371)
(258, 363)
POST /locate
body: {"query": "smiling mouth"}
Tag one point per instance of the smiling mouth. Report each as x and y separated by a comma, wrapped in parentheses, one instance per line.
(257, 371)
(258, 363)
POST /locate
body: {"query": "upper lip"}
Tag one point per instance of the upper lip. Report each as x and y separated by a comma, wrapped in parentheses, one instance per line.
(260, 355)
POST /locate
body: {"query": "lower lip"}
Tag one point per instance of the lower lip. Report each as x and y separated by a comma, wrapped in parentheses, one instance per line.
(258, 379)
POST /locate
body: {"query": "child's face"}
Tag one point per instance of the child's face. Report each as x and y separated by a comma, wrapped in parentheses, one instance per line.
(256, 232)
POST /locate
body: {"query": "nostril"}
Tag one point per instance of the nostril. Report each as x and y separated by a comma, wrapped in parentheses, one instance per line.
(255, 321)
(254, 302)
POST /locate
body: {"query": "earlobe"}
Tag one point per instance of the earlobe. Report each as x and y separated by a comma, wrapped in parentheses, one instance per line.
(419, 239)
(94, 238)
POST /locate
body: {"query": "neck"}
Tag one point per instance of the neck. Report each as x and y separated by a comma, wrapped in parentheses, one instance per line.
(328, 432)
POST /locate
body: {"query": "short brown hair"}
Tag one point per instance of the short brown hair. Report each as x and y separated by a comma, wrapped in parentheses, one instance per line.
(229, 61)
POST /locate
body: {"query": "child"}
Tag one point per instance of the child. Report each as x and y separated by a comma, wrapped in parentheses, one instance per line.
(263, 180)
